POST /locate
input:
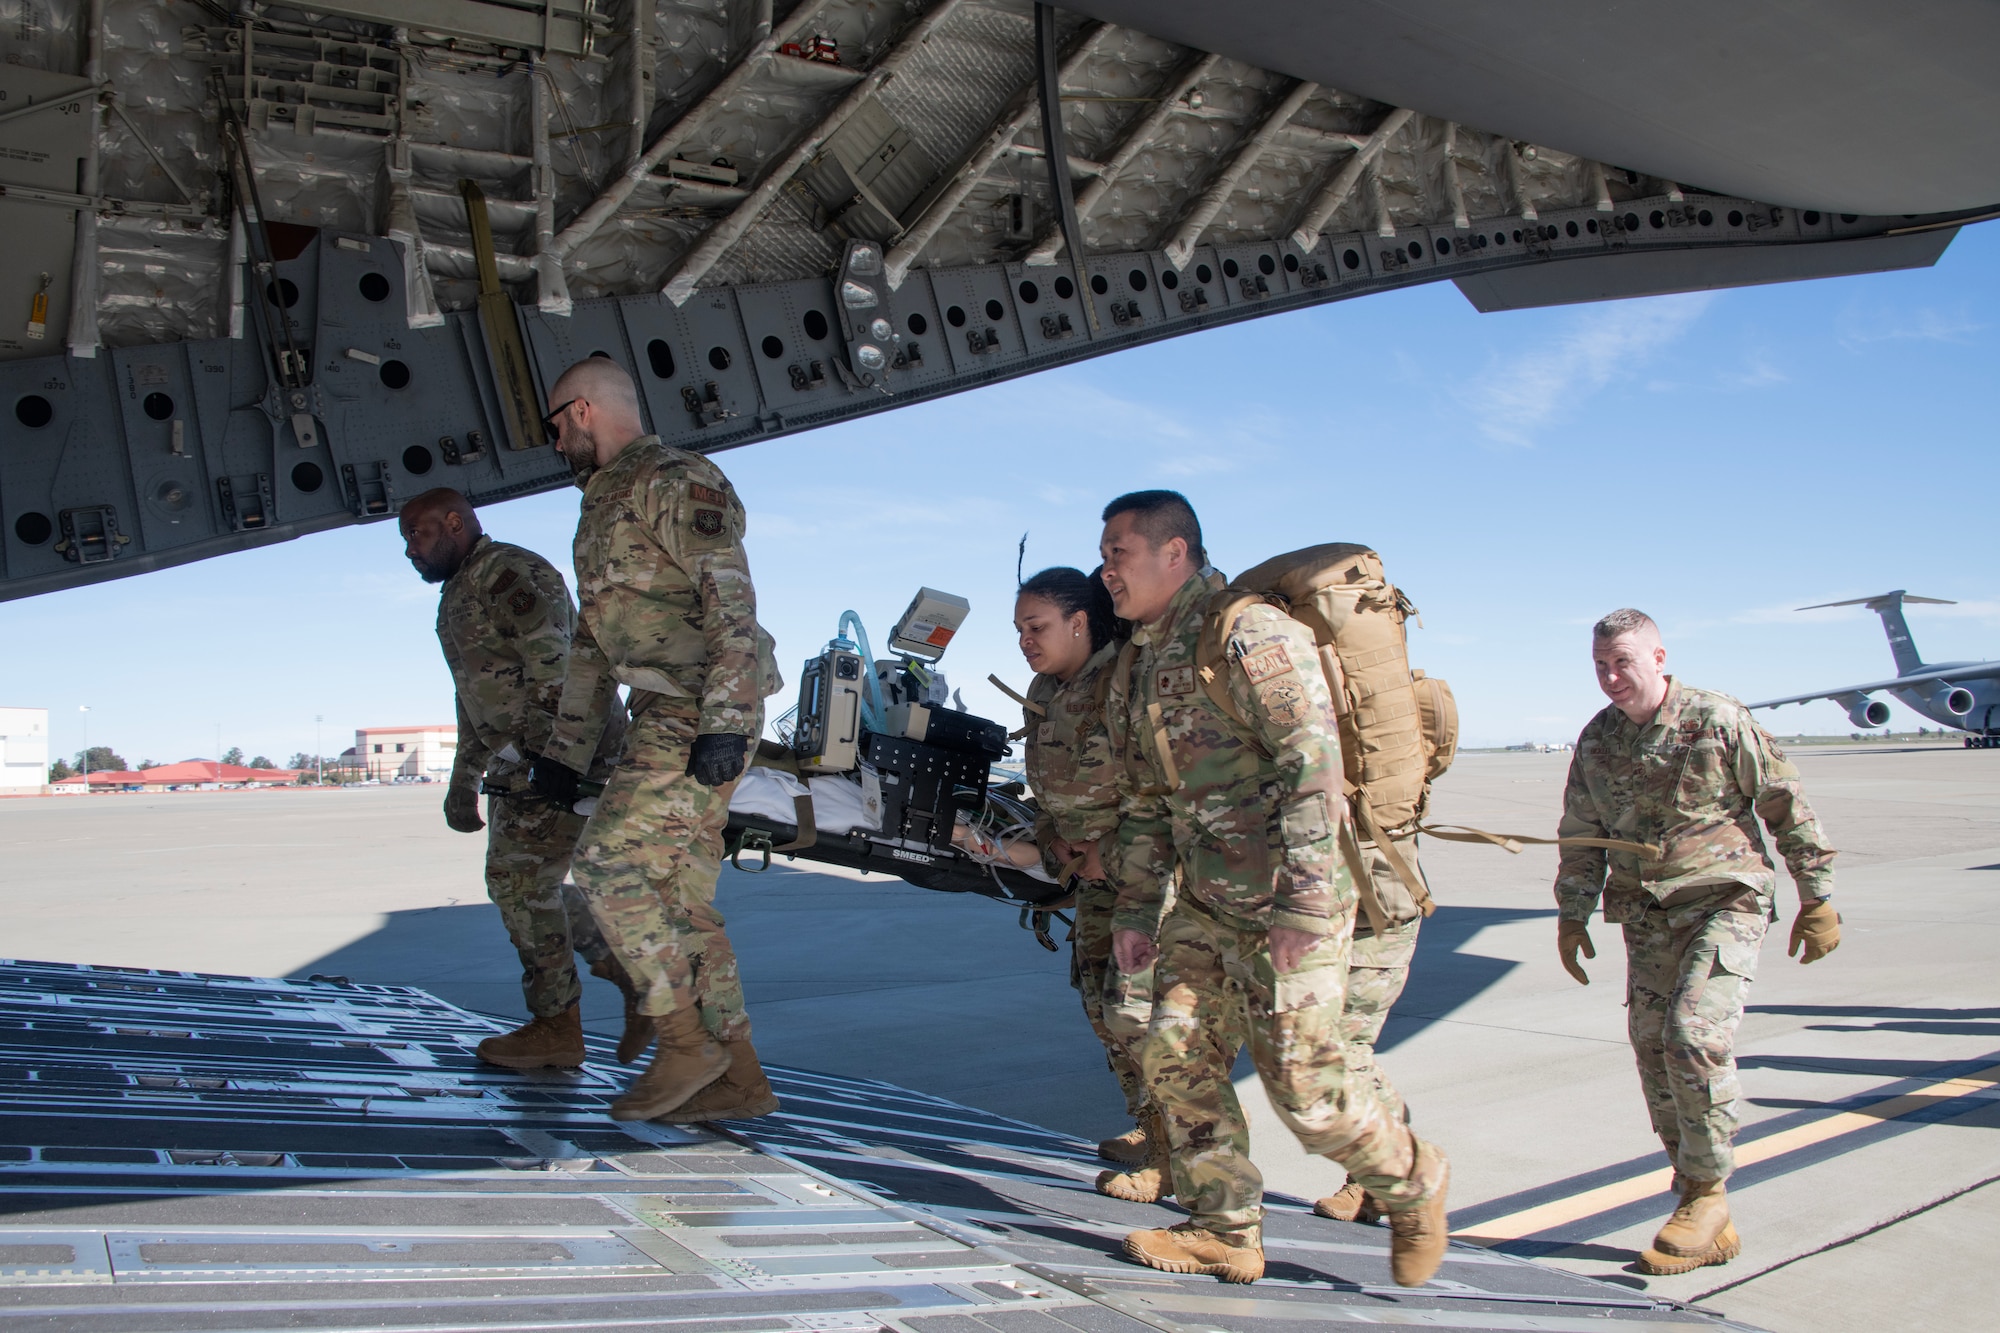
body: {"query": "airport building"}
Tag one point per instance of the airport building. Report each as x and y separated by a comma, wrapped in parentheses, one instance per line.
(24, 750)
(387, 753)
(189, 775)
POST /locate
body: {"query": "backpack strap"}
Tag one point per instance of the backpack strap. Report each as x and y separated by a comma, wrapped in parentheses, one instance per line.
(1211, 656)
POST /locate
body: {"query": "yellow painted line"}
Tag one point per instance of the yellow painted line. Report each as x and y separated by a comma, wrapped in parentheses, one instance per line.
(1632, 1189)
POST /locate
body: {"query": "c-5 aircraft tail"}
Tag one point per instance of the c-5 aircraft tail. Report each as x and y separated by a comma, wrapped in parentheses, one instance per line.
(1889, 606)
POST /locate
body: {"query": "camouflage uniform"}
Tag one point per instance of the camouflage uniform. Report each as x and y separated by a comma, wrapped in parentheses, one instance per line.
(1378, 967)
(1070, 769)
(504, 622)
(1257, 843)
(1695, 780)
(668, 609)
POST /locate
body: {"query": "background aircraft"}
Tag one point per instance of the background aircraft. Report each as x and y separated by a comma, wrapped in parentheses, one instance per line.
(1963, 695)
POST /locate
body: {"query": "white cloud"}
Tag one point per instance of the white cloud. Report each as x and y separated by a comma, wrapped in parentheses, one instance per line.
(1925, 325)
(1521, 394)
(1756, 373)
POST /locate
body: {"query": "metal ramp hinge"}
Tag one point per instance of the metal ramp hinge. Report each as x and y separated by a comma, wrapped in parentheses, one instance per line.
(90, 535)
(368, 497)
(239, 514)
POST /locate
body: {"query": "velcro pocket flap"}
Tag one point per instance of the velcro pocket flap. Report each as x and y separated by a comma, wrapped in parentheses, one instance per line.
(1307, 820)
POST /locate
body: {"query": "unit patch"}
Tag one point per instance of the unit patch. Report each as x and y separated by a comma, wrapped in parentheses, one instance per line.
(522, 601)
(1273, 661)
(706, 495)
(1174, 681)
(708, 522)
(1284, 701)
(506, 580)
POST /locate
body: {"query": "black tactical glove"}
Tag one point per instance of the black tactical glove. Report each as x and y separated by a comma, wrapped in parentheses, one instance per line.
(461, 808)
(554, 781)
(717, 758)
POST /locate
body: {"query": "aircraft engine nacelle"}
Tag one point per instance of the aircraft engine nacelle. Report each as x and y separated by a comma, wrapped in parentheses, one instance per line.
(1865, 712)
(1954, 699)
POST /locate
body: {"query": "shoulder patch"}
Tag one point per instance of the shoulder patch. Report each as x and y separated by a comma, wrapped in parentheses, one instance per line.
(707, 495)
(1262, 666)
(508, 578)
(708, 522)
(522, 601)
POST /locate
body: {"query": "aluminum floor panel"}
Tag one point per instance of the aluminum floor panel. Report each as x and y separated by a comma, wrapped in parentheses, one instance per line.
(192, 1152)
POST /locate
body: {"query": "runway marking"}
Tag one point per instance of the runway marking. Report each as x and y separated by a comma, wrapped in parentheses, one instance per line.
(1633, 1189)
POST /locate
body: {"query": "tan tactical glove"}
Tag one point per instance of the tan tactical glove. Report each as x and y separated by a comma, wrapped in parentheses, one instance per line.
(1572, 936)
(461, 809)
(1817, 928)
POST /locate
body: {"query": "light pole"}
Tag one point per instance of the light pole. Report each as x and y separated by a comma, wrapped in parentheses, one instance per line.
(85, 710)
(319, 758)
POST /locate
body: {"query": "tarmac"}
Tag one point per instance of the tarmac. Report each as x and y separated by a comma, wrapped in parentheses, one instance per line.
(1871, 1080)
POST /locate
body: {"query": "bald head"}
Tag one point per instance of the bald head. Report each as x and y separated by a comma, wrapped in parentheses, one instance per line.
(596, 411)
(440, 528)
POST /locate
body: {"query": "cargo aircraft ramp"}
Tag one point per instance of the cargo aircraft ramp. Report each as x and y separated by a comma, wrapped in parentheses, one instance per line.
(186, 1151)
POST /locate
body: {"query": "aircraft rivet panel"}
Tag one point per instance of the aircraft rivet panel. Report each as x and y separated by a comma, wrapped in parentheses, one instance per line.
(1126, 291)
(796, 342)
(979, 318)
(925, 357)
(1195, 290)
(1049, 306)
(1252, 273)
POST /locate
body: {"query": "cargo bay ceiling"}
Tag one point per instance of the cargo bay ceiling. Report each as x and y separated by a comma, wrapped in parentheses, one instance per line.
(272, 270)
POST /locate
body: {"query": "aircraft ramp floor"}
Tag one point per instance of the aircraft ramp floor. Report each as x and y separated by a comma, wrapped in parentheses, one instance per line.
(181, 1151)
(193, 1151)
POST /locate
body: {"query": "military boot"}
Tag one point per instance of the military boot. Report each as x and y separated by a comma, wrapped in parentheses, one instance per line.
(1129, 1148)
(638, 1034)
(1419, 1236)
(741, 1094)
(686, 1061)
(1351, 1203)
(1189, 1248)
(540, 1043)
(1697, 1235)
(1151, 1181)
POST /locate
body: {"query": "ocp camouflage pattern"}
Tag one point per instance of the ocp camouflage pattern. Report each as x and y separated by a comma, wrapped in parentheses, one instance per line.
(1068, 759)
(529, 843)
(668, 607)
(505, 622)
(1695, 781)
(1256, 838)
(1688, 979)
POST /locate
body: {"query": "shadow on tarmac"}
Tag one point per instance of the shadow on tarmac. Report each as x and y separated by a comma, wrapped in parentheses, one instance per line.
(1445, 977)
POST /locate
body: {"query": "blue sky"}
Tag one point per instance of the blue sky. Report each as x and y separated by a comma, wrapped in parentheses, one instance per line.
(1715, 459)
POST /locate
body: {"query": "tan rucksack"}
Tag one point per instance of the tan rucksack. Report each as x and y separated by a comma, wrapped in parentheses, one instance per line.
(1398, 728)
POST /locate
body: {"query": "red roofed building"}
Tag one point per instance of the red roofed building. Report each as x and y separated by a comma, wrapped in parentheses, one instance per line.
(194, 774)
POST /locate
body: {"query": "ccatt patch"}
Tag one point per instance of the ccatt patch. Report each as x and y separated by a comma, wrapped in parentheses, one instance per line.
(708, 522)
(1262, 666)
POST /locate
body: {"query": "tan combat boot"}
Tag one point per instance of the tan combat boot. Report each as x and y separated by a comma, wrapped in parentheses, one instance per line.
(741, 1094)
(1697, 1235)
(1419, 1236)
(540, 1043)
(686, 1061)
(1188, 1248)
(1128, 1148)
(1150, 1182)
(1351, 1203)
(638, 1034)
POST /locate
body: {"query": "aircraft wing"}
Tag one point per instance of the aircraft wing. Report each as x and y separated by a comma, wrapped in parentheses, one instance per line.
(1960, 672)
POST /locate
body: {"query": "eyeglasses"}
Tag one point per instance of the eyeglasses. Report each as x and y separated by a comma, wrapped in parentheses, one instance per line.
(549, 421)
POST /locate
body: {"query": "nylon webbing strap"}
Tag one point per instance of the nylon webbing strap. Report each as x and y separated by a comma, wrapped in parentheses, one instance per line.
(1020, 699)
(1512, 841)
(802, 814)
(1164, 754)
(1373, 828)
(1364, 882)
